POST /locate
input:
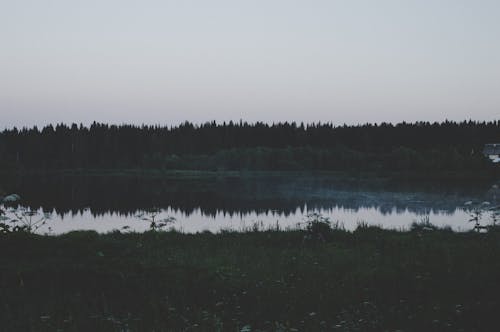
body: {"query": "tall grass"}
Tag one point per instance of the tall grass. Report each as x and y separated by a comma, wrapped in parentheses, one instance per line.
(367, 280)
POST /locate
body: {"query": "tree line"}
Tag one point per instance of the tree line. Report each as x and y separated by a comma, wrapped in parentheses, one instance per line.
(251, 146)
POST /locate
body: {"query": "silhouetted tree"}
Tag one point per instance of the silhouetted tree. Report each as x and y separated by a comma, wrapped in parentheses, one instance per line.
(281, 146)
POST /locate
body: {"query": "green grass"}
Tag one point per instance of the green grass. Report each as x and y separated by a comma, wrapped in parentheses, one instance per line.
(367, 280)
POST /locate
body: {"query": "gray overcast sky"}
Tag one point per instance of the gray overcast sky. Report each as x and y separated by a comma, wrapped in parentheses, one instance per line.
(162, 62)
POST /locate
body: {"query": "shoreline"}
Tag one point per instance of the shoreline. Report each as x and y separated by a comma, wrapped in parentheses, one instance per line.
(197, 174)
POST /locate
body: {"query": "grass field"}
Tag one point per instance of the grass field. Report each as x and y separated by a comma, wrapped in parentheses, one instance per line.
(367, 280)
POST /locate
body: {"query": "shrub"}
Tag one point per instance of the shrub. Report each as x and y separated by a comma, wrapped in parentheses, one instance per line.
(19, 219)
(317, 226)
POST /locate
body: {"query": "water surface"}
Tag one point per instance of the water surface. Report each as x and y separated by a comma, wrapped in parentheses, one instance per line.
(105, 203)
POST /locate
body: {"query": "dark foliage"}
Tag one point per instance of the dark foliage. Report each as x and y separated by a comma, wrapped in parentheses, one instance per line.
(243, 146)
(368, 280)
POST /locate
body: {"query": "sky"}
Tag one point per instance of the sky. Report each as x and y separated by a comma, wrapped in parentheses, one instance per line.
(165, 62)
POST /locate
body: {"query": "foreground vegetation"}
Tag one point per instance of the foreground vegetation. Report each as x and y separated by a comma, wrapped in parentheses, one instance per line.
(367, 280)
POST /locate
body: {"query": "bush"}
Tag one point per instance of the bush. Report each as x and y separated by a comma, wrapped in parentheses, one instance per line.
(318, 227)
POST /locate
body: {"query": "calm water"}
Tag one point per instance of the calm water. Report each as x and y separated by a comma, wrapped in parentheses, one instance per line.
(105, 203)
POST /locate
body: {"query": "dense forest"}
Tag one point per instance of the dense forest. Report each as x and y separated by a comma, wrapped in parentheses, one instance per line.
(257, 146)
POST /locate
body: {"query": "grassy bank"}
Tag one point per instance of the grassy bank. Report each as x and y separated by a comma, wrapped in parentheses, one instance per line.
(368, 280)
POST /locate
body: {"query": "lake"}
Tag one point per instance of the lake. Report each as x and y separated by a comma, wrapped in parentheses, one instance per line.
(244, 201)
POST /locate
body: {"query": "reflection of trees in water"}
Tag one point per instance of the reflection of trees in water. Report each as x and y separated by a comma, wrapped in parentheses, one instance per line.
(282, 196)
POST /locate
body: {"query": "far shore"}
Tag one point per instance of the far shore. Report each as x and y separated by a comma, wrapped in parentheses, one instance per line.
(410, 175)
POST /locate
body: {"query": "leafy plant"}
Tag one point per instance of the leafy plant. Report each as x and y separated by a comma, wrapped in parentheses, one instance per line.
(5, 222)
(18, 218)
(424, 225)
(478, 211)
(152, 216)
(318, 227)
